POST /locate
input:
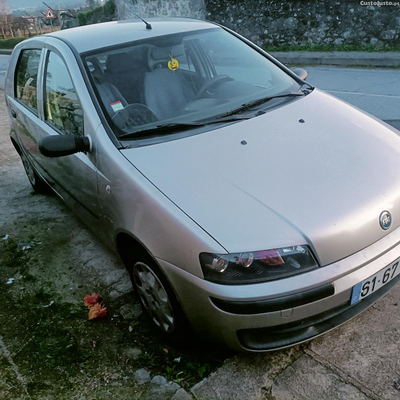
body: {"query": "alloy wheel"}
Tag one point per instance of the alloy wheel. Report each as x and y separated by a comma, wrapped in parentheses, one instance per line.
(154, 297)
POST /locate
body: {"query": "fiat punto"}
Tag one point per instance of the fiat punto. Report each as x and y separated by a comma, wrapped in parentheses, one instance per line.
(245, 203)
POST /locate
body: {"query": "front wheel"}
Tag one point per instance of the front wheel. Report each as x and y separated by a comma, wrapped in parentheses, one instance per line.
(37, 183)
(158, 300)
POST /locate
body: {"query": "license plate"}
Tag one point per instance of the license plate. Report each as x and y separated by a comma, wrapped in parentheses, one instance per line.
(374, 282)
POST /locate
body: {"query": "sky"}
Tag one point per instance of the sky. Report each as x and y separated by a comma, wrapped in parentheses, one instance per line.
(16, 4)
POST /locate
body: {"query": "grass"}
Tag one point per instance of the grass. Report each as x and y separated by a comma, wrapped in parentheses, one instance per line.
(9, 44)
(55, 347)
(331, 47)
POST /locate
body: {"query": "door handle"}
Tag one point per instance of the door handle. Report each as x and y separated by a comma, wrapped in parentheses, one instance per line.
(13, 113)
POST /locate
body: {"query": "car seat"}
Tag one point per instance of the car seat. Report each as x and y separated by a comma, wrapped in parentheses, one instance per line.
(126, 71)
(108, 93)
(166, 92)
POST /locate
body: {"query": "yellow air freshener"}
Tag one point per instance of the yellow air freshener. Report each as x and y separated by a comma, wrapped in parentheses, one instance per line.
(173, 64)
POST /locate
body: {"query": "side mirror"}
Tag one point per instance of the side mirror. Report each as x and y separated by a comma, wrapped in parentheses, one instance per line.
(63, 145)
(302, 73)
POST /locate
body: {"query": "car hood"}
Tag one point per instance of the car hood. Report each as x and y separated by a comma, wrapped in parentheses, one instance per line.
(315, 171)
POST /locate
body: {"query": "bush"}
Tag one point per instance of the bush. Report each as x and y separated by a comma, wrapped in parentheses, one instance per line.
(82, 19)
(109, 9)
(99, 14)
(10, 43)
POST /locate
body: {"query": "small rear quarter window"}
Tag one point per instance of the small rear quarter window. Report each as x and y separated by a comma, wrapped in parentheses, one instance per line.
(26, 77)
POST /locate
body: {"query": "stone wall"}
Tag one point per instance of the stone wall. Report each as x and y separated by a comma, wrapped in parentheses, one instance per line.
(160, 8)
(300, 22)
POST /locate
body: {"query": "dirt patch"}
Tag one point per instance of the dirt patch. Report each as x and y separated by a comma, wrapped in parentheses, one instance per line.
(48, 349)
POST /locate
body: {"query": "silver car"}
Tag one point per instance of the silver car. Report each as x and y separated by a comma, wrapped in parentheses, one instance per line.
(246, 204)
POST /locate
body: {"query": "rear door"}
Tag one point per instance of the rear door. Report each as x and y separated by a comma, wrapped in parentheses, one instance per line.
(22, 96)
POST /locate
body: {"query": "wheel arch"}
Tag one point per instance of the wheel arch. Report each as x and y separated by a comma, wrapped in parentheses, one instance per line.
(128, 245)
(16, 145)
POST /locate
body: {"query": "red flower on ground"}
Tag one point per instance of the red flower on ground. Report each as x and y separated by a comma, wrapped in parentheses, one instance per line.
(95, 304)
(97, 311)
(91, 300)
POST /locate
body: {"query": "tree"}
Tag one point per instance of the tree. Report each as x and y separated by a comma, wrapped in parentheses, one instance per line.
(91, 4)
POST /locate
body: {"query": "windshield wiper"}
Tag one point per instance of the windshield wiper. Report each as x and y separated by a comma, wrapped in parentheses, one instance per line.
(166, 128)
(181, 126)
(254, 103)
(229, 116)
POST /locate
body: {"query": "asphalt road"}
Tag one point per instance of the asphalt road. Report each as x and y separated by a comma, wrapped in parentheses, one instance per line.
(376, 91)
(3, 68)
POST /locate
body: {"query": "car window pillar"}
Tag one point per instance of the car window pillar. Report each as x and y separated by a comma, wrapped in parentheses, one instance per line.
(40, 86)
(90, 115)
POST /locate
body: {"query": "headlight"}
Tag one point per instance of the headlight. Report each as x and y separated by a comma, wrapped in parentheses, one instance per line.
(257, 266)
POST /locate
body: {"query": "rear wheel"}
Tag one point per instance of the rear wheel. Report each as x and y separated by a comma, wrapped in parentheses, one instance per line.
(37, 183)
(158, 299)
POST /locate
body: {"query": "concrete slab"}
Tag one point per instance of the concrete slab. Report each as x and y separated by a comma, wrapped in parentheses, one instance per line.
(245, 377)
(365, 351)
(306, 379)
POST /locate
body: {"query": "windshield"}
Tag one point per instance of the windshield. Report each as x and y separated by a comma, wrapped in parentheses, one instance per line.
(183, 79)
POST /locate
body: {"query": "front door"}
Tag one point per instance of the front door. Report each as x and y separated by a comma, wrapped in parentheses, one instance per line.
(74, 176)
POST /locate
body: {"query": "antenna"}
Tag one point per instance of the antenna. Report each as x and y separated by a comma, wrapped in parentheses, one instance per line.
(48, 7)
(148, 26)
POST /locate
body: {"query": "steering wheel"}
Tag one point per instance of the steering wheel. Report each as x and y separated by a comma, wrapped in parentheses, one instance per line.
(214, 81)
(132, 116)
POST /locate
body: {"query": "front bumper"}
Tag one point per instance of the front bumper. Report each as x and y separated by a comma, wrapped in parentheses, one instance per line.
(274, 315)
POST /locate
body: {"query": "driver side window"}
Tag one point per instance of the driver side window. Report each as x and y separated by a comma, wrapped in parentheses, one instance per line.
(62, 107)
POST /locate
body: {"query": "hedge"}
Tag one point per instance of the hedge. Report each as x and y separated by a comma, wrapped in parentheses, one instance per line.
(99, 14)
(10, 43)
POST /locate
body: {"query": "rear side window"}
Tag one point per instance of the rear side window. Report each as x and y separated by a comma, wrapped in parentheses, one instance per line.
(62, 107)
(26, 77)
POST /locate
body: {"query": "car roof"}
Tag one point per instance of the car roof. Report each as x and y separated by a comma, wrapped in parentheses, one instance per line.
(91, 37)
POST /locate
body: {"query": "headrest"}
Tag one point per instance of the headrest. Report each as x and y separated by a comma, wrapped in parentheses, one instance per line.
(178, 50)
(97, 72)
(117, 63)
(161, 55)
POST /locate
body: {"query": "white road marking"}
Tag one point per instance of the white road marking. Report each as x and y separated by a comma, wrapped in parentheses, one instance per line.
(4, 351)
(364, 94)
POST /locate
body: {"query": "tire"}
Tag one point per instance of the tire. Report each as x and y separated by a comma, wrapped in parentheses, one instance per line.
(35, 180)
(158, 300)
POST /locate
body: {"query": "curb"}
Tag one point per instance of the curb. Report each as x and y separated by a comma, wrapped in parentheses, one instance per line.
(340, 58)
